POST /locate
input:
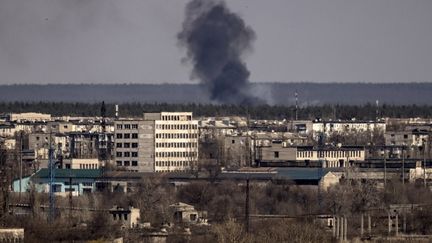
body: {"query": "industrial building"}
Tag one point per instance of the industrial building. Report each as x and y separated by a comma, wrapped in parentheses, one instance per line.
(277, 154)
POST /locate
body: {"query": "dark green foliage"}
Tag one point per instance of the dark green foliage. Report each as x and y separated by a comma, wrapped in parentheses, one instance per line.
(360, 112)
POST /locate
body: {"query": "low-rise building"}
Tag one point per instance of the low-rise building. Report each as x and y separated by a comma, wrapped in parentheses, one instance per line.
(185, 213)
(407, 138)
(237, 151)
(81, 163)
(126, 217)
(40, 143)
(66, 181)
(7, 130)
(28, 116)
(329, 156)
(60, 127)
(329, 127)
(12, 235)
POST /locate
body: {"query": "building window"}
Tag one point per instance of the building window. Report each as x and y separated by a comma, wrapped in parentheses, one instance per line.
(127, 126)
(126, 135)
(134, 163)
(126, 145)
(135, 135)
(276, 154)
(119, 126)
(119, 145)
(119, 163)
(118, 154)
(119, 135)
(126, 154)
(134, 145)
(134, 154)
(127, 163)
(56, 188)
(134, 126)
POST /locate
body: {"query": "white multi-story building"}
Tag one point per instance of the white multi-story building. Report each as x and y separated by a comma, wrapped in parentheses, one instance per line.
(165, 141)
(176, 140)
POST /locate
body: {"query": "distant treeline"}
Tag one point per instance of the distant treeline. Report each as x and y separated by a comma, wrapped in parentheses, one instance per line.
(360, 112)
(273, 93)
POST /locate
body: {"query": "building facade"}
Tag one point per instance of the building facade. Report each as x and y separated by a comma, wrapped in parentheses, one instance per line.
(160, 142)
(176, 140)
(134, 145)
(307, 156)
(329, 127)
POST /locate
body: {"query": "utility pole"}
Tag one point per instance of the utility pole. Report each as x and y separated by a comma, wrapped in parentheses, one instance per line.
(20, 166)
(424, 163)
(51, 164)
(247, 206)
(403, 164)
(296, 105)
(384, 154)
(377, 111)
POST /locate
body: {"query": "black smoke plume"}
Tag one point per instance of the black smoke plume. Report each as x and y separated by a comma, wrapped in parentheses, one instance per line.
(216, 40)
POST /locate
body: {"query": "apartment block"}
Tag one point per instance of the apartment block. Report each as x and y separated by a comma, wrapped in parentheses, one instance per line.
(176, 140)
(134, 145)
(160, 142)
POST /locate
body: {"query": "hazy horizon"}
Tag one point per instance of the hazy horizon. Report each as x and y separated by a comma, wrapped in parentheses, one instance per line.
(197, 83)
(133, 41)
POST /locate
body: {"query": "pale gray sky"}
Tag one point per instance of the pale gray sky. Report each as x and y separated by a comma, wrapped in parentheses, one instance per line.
(111, 41)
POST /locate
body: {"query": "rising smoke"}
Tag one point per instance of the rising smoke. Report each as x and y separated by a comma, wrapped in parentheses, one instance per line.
(216, 40)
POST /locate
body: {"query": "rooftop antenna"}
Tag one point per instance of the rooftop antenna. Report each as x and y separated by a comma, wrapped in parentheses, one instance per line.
(377, 110)
(296, 105)
(116, 111)
(103, 115)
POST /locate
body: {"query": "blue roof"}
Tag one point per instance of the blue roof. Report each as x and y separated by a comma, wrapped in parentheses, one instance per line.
(68, 173)
(297, 174)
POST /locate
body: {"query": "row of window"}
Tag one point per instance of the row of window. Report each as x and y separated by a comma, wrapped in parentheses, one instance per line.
(176, 118)
(176, 135)
(176, 154)
(127, 135)
(127, 126)
(127, 163)
(177, 126)
(172, 163)
(176, 145)
(338, 154)
(303, 154)
(88, 166)
(126, 154)
(127, 145)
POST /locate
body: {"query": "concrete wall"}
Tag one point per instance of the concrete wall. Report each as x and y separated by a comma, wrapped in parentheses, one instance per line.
(278, 153)
(82, 163)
